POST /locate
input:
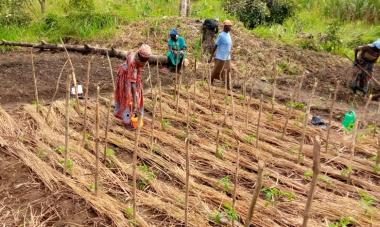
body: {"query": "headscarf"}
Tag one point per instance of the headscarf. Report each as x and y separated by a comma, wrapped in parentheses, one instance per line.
(227, 22)
(376, 44)
(174, 32)
(145, 51)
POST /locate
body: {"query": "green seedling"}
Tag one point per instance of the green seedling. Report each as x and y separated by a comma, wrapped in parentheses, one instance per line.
(366, 199)
(230, 211)
(343, 222)
(241, 97)
(166, 124)
(346, 172)
(156, 149)
(308, 175)
(128, 212)
(41, 153)
(69, 164)
(325, 179)
(147, 178)
(110, 153)
(91, 187)
(274, 195)
(217, 217)
(376, 168)
(60, 150)
(226, 184)
(296, 105)
(250, 138)
(228, 100)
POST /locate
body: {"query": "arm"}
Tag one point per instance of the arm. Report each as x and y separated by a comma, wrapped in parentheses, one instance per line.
(213, 53)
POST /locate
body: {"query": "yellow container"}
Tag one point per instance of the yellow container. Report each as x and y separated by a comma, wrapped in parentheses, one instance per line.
(135, 122)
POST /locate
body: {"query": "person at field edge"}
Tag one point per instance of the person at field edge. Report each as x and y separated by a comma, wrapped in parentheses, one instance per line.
(129, 87)
(223, 46)
(365, 57)
(177, 50)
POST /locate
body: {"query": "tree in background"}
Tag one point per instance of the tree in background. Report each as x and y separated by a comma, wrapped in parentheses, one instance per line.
(185, 8)
(42, 5)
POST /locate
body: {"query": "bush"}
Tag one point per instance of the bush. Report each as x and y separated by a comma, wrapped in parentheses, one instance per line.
(13, 12)
(258, 12)
(280, 10)
(81, 5)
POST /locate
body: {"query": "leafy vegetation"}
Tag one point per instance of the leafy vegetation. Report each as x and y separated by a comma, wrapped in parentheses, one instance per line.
(148, 176)
(230, 211)
(343, 222)
(226, 184)
(274, 195)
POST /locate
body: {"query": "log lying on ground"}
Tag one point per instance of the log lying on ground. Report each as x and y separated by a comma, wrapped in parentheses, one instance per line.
(84, 49)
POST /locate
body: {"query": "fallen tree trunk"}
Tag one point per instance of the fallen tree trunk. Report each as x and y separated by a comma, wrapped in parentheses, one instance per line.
(83, 49)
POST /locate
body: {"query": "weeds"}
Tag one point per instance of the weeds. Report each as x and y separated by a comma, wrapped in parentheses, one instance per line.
(217, 217)
(166, 124)
(250, 138)
(308, 175)
(69, 164)
(148, 176)
(343, 222)
(274, 195)
(226, 184)
(110, 153)
(230, 211)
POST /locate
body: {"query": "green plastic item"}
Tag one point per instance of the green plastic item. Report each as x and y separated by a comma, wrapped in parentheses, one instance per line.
(349, 120)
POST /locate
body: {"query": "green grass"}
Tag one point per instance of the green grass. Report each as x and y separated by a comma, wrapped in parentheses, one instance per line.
(312, 20)
(104, 22)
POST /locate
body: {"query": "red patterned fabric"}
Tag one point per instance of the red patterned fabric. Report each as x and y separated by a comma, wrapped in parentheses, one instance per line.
(129, 83)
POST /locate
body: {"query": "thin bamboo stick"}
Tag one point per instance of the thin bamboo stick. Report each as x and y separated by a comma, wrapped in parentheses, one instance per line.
(73, 72)
(153, 121)
(232, 100)
(365, 111)
(261, 166)
(87, 84)
(258, 121)
(97, 140)
(68, 83)
(217, 141)
(378, 152)
(35, 82)
(111, 72)
(316, 171)
(306, 118)
(209, 91)
(353, 146)
(187, 182)
(160, 95)
(274, 91)
(225, 99)
(56, 90)
(289, 110)
(236, 179)
(137, 137)
(178, 91)
(331, 115)
(108, 110)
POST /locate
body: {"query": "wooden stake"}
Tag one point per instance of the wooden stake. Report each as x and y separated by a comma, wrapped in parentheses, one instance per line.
(225, 99)
(209, 92)
(289, 110)
(111, 72)
(97, 140)
(316, 171)
(87, 84)
(137, 136)
(35, 83)
(56, 90)
(256, 193)
(258, 120)
(306, 118)
(217, 141)
(274, 91)
(232, 100)
(378, 152)
(187, 182)
(331, 115)
(236, 179)
(178, 92)
(353, 146)
(108, 110)
(365, 111)
(153, 121)
(160, 95)
(68, 83)
(73, 73)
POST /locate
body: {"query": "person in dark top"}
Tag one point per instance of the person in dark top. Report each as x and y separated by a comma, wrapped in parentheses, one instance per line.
(365, 57)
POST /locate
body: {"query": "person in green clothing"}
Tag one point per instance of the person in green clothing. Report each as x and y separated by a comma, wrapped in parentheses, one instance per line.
(177, 51)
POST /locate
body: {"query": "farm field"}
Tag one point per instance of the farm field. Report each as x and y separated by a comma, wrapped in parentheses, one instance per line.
(212, 120)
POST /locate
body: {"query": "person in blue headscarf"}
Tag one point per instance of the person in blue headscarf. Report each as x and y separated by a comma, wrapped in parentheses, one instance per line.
(365, 57)
(177, 50)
